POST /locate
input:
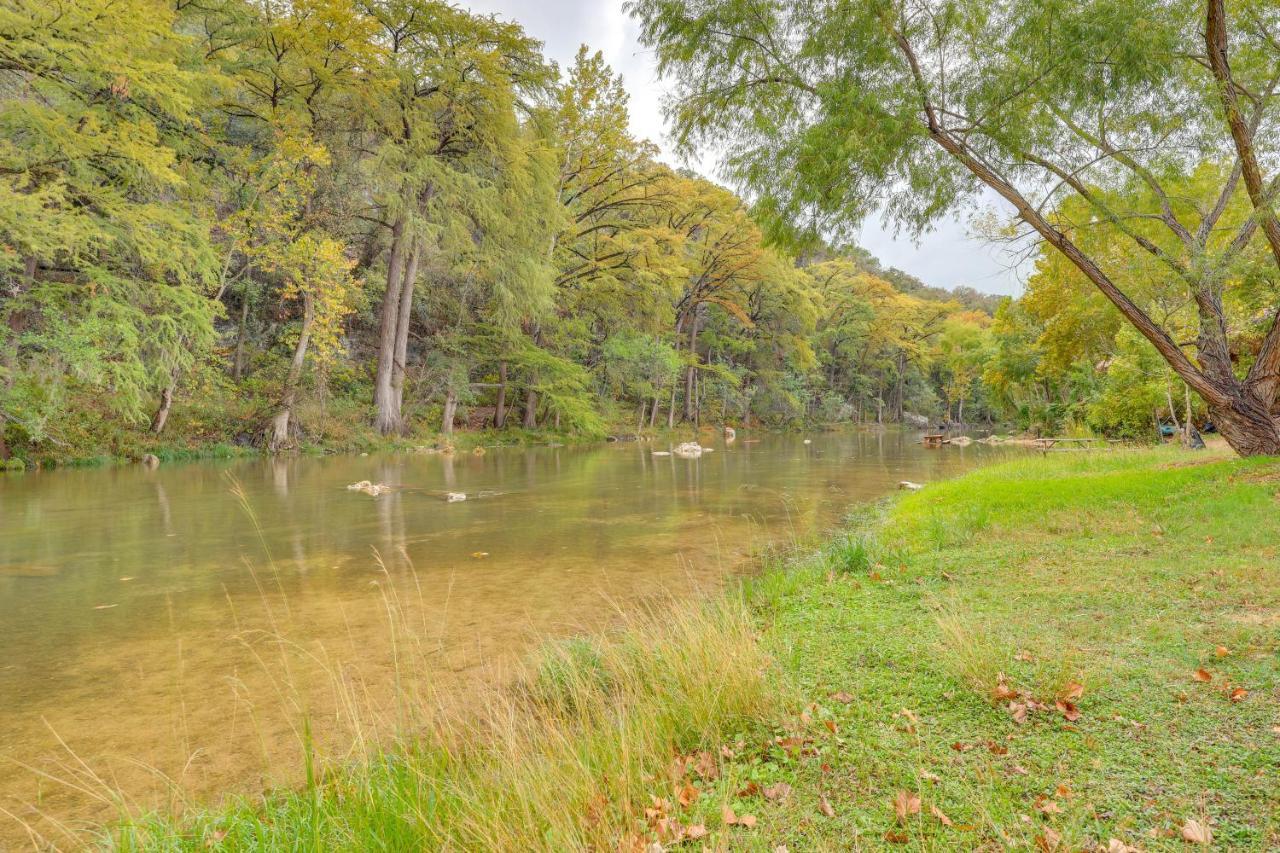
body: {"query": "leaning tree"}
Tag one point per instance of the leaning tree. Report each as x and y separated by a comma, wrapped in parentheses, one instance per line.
(828, 109)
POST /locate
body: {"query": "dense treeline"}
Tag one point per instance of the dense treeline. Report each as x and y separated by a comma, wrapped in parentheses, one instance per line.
(275, 222)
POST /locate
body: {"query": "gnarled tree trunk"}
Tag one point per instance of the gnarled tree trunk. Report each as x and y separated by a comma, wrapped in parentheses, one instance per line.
(166, 403)
(500, 411)
(387, 413)
(279, 437)
(450, 411)
(404, 317)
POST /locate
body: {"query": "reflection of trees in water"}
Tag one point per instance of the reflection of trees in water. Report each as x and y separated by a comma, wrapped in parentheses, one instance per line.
(573, 534)
(562, 512)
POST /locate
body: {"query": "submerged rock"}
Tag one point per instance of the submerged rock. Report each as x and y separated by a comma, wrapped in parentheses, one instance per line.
(961, 441)
(370, 489)
(662, 453)
(688, 450)
(454, 497)
(907, 485)
(150, 460)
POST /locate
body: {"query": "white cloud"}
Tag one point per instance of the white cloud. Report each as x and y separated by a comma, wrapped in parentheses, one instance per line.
(946, 257)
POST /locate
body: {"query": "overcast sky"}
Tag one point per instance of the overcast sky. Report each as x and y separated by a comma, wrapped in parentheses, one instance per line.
(947, 257)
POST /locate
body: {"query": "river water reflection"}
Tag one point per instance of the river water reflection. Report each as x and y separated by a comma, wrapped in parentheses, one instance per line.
(171, 627)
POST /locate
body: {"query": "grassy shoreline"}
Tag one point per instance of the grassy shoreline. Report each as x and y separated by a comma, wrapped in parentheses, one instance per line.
(1062, 653)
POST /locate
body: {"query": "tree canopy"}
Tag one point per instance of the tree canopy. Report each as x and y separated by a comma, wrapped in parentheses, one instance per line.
(314, 221)
(1083, 117)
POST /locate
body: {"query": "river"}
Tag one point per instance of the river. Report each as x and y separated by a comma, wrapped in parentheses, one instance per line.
(163, 633)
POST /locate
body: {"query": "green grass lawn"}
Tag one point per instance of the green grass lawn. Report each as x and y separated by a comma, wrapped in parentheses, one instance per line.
(1065, 653)
(1121, 575)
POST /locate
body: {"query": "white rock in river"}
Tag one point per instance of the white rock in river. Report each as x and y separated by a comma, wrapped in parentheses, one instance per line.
(370, 489)
(688, 450)
(662, 453)
(909, 486)
(454, 497)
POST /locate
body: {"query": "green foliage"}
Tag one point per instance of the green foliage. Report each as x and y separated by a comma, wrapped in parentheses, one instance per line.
(205, 204)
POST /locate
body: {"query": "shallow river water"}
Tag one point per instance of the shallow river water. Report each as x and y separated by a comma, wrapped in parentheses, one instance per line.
(163, 633)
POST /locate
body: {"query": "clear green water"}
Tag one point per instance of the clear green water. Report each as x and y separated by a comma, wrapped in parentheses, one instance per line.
(171, 635)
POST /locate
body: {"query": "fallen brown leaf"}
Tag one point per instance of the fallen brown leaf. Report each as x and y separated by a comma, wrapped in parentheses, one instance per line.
(780, 791)
(896, 837)
(1202, 675)
(696, 831)
(687, 796)
(942, 818)
(906, 804)
(1074, 690)
(1063, 790)
(930, 777)
(1068, 709)
(1222, 651)
(1048, 840)
(831, 725)
(1115, 845)
(1196, 832)
(747, 820)
(1044, 805)
(824, 806)
(842, 696)
(706, 766)
(1238, 694)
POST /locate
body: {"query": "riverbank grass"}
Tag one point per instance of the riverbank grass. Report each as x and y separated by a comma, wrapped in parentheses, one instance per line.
(1062, 653)
(1046, 654)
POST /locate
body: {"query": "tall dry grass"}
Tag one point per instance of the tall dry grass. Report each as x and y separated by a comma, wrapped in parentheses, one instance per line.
(567, 759)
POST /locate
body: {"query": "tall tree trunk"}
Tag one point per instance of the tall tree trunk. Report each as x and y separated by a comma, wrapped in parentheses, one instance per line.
(531, 407)
(900, 389)
(653, 411)
(166, 402)
(691, 373)
(404, 318)
(450, 411)
(500, 411)
(387, 414)
(644, 404)
(280, 424)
